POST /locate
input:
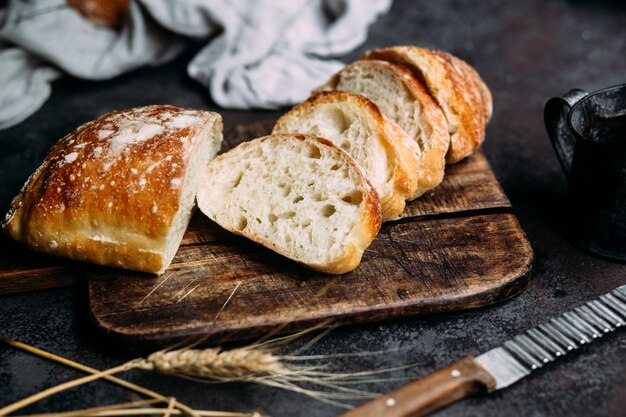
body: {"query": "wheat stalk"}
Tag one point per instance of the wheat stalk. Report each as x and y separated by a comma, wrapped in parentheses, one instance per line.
(255, 363)
(179, 409)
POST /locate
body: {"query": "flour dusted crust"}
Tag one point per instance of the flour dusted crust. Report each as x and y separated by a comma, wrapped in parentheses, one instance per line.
(118, 190)
(317, 206)
(404, 99)
(387, 143)
(464, 101)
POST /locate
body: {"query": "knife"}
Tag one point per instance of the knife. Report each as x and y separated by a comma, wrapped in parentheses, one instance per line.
(504, 365)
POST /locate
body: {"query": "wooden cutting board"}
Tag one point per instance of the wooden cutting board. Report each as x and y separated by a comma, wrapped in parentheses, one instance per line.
(458, 247)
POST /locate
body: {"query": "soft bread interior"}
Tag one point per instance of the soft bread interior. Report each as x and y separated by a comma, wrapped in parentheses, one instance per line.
(298, 197)
(389, 93)
(350, 128)
(352, 131)
(206, 148)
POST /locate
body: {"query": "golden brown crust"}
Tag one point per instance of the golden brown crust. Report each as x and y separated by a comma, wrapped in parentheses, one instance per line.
(399, 147)
(481, 87)
(110, 13)
(364, 233)
(108, 192)
(453, 91)
(434, 135)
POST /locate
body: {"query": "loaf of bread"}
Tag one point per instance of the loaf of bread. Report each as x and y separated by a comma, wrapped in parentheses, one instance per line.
(298, 195)
(119, 190)
(455, 86)
(355, 124)
(404, 99)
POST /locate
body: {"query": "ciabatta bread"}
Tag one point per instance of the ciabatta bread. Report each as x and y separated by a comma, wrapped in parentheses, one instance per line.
(380, 147)
(119, 190)
(461, 94)
(298, 195)
(403, 98)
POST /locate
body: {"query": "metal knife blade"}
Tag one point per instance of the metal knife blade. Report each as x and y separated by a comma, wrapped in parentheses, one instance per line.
(504, 365)
(545, 343)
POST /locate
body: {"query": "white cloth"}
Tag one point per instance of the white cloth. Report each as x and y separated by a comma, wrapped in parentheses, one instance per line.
(259, 53)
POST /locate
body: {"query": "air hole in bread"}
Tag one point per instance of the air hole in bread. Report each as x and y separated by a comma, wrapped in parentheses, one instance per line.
(298, 199)
(241, 223)
(354, 197)
(286, 189)
(334, 167)
(258, 220)
(345, 146)
(287, 215)
(316, 196)
(328, 210)
(306, 223)
(272, 218)
(314, 152)
(238, 180)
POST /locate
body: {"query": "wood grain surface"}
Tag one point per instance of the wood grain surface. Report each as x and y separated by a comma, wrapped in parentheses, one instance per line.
(457, 247)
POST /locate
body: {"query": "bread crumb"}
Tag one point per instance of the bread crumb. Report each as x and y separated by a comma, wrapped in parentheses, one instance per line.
(54, 244)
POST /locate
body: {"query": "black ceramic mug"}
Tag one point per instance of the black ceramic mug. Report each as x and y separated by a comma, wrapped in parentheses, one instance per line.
(588, 132)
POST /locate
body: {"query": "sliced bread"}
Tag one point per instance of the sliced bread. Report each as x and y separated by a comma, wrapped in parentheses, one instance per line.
(298, 195)
(118, 190)
(461, 94)
(355, 124)
(403, 98)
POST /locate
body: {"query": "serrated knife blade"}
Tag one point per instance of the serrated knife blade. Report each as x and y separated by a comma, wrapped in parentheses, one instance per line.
(506, 364)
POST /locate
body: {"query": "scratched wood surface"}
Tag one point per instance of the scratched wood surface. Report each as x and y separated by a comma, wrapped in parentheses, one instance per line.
(458, 247)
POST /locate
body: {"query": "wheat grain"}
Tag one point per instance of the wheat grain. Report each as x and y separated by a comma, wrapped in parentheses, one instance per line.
(236, 364)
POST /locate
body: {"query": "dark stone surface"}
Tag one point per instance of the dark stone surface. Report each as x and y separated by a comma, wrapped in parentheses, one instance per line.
(527, 52)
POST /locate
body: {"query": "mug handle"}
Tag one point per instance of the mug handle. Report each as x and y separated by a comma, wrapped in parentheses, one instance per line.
(555, 117)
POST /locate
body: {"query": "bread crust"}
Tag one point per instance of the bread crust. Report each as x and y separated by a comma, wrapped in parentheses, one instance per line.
(398, 145)
(432, 157)
(480, 85)
(110, 13)
(109, 191)
(362, 234)
(452, 89)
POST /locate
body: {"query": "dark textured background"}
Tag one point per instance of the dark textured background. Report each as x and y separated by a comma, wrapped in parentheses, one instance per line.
(526, 51)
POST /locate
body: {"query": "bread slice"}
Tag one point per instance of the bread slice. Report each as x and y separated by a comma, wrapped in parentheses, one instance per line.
(298, 195)
(462, 96)
(119, 190)
(403, 98)
(380, 147)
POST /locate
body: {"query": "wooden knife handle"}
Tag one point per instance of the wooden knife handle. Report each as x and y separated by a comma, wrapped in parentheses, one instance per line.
(437, 390)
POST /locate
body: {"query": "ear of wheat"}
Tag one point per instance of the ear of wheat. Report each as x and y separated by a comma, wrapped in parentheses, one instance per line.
(256, 363)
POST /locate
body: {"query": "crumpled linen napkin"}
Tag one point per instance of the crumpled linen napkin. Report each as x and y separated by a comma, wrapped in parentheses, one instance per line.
(259, 53)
